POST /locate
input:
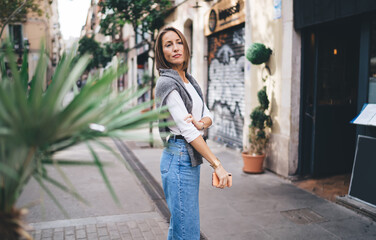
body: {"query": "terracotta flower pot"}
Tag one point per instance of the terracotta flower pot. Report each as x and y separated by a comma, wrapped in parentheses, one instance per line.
(253, 163)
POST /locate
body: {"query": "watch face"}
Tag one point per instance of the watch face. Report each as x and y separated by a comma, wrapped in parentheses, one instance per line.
(212, 20)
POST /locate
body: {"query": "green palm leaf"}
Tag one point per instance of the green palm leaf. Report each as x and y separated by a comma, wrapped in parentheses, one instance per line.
(35, 124)
(104, 175)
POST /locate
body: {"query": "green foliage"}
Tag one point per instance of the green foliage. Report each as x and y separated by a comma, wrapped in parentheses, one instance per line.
(100, 55)
(257, 53)
(260, 124)
(15, 11)
(110, 49)
(87, 45)
(34, 123)
(145, 15)
(9, 6)
(111, 25)
(263, 99)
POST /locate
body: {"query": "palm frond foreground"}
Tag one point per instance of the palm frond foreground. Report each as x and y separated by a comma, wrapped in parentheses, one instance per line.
(34, 124)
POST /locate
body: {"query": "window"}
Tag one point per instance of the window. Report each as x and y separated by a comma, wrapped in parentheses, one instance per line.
(15, 32)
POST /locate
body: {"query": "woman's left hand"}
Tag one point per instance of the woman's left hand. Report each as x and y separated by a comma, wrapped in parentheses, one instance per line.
(190, 119)
(223, 177)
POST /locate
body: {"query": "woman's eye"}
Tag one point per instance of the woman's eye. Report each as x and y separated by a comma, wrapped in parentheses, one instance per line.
(167, 45)
(180, 42)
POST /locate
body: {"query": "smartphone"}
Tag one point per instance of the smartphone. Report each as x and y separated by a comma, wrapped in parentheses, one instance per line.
(215, 180)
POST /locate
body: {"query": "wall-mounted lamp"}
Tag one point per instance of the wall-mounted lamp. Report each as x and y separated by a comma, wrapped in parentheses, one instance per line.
(335, 52)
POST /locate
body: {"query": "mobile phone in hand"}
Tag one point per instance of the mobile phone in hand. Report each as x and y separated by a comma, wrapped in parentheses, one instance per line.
(215, 180)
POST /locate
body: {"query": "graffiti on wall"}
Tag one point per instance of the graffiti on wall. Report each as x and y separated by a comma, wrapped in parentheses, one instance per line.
(226, 86)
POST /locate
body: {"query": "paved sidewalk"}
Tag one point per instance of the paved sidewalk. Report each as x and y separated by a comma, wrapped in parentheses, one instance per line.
(259, 207)
(263, 206)
(136, 218)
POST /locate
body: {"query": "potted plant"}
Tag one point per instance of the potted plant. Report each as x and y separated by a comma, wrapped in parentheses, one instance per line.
(35, 124)
(259, 132)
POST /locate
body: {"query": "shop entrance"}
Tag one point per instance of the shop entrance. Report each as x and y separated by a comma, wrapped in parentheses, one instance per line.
(226, 85)
(329, 99)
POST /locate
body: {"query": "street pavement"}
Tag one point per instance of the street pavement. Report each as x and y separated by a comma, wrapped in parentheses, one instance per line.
(263, 206)
(135, 218)
(258, 206)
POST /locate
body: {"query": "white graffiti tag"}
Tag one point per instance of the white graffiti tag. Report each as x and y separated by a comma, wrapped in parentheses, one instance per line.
(225, 53)
(238, 37)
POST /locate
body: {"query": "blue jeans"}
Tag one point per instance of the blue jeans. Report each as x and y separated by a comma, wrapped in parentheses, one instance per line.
(181, 187)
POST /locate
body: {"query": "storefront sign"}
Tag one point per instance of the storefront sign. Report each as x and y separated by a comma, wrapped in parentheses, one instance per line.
(225, 14)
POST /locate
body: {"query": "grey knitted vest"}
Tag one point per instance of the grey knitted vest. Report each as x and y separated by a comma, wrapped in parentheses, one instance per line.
(168, 81)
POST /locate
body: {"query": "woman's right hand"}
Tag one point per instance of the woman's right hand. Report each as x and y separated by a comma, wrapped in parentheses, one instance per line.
(223, 176)
(190, 119)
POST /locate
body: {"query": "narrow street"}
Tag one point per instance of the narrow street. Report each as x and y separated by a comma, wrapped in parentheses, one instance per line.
(261, 206)
(283, 92)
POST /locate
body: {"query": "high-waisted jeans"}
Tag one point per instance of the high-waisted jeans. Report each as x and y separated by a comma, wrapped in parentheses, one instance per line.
(181, 187)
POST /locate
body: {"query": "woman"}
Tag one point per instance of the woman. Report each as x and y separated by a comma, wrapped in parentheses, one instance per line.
(181, 159)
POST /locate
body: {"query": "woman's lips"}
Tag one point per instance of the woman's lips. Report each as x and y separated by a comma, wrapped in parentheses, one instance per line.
(176, 56)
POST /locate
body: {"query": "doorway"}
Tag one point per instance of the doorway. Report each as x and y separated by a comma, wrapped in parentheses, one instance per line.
(225, 93)
(329, 98)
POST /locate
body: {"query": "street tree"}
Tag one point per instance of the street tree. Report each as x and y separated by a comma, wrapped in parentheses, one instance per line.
(15, 11)
(101, 55)
(145, 16)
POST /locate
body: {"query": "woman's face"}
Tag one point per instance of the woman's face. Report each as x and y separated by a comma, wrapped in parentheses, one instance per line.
(173, 49)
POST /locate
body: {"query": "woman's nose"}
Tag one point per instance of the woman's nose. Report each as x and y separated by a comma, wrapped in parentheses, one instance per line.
(175, 48)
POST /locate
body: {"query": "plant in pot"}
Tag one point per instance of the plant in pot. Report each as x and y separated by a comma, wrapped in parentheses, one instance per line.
(35, 124)
(259, 129)
(259, 133)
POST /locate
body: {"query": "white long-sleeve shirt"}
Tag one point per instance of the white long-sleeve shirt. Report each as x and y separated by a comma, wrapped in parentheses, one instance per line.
(178, 112)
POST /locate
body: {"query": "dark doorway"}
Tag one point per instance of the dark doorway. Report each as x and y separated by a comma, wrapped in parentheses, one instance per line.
(329, 98)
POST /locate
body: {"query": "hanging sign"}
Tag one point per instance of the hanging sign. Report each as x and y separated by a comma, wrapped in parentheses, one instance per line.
(224, 14)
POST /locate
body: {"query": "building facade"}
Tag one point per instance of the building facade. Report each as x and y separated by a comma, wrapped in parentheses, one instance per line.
(92, 24)
(92, 28)
(29, 34)
(218, 34)
(321, 72)
(222, 32)
(271, 23)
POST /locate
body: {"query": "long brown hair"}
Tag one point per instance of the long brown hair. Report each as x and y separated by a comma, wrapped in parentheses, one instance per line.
(161, 62)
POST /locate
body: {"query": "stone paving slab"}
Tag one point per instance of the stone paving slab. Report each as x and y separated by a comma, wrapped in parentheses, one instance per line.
(145, 226)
